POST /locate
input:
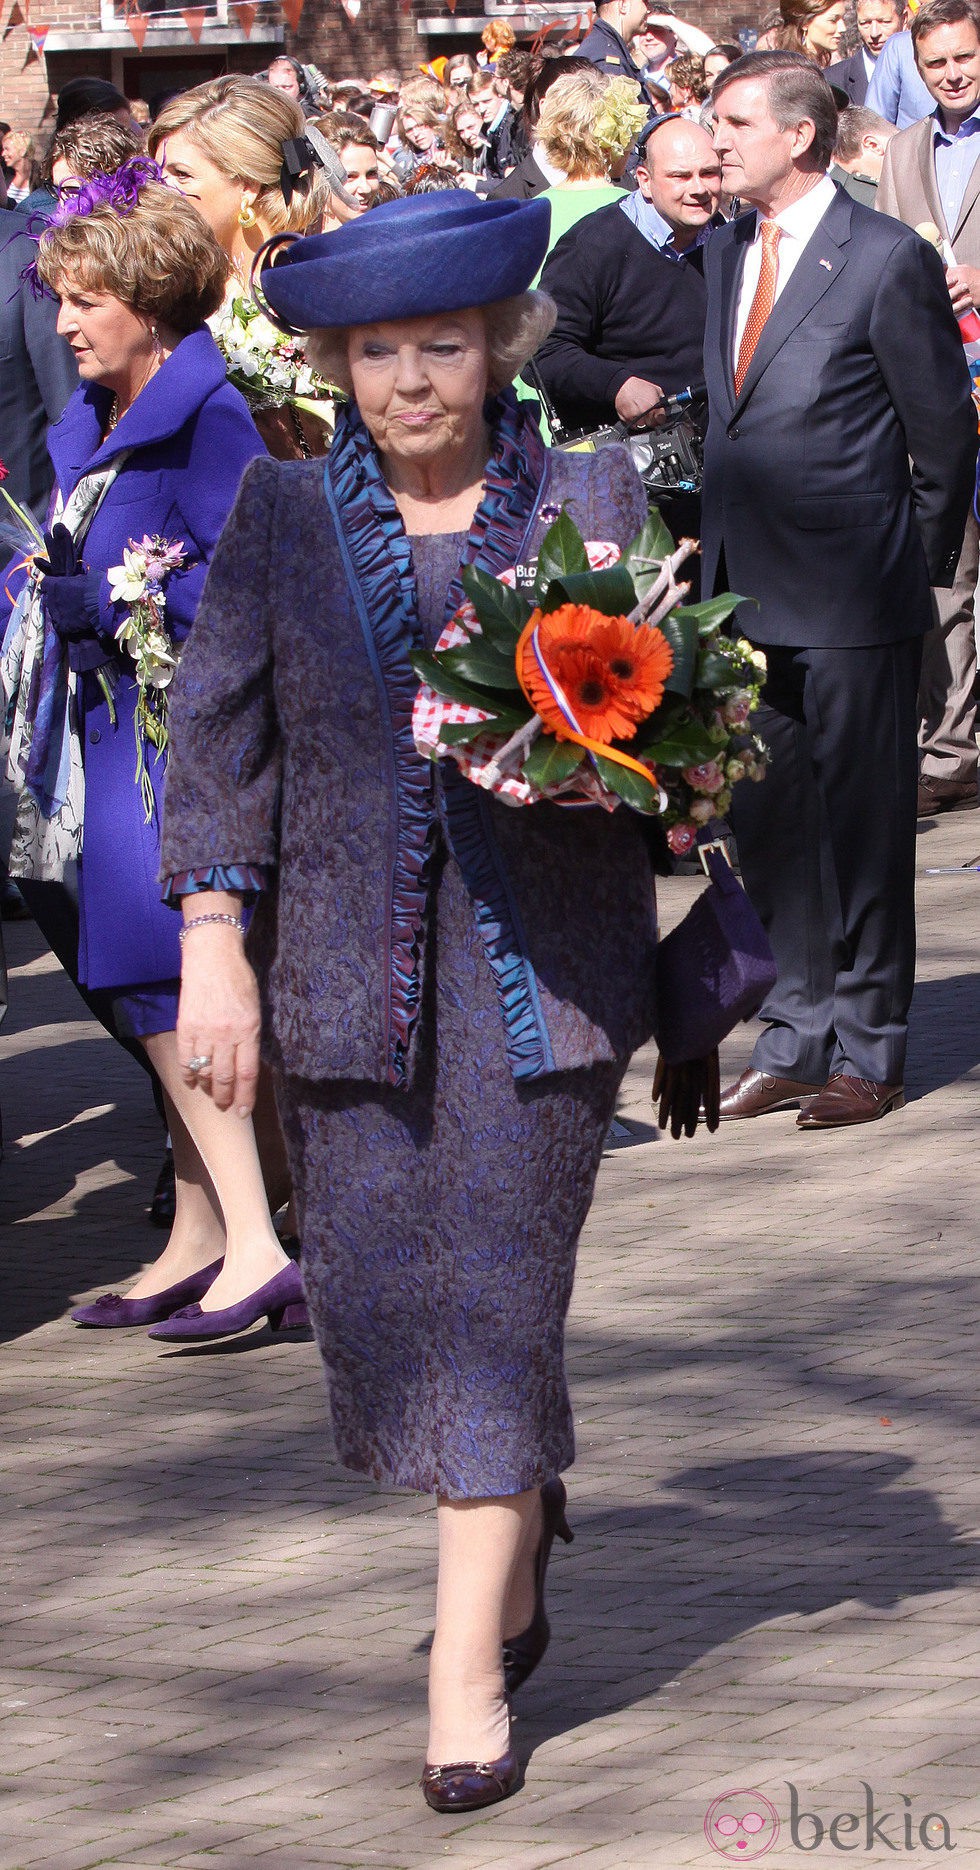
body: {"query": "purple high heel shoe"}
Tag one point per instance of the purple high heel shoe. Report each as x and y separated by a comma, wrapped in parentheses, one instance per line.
(111, 1313)
(281, 1300)
(468, 1785)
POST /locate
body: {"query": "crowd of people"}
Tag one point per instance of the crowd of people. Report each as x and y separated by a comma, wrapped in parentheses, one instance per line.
(282, 357)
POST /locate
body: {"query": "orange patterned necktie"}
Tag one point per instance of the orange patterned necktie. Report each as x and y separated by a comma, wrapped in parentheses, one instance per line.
(762, 303)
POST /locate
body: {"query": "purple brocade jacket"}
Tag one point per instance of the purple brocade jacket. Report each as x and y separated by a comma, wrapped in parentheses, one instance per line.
(292, 762)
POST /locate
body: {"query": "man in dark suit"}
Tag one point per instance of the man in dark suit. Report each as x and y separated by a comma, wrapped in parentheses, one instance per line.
(832, 357)
(877, 20)
(38, 373)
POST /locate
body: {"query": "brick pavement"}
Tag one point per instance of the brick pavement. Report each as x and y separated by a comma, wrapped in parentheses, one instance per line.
(215, 1639)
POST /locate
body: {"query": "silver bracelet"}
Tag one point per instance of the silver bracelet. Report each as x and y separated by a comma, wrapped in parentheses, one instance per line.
(234, 922)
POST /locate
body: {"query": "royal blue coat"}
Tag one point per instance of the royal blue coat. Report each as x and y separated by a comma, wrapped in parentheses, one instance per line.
(191, 438)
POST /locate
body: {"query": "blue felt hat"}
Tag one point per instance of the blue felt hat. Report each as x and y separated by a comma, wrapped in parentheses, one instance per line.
(408, 259)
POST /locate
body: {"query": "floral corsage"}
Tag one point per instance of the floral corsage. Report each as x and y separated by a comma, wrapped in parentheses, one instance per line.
(265, 364)
(586, 679)
(138, 583)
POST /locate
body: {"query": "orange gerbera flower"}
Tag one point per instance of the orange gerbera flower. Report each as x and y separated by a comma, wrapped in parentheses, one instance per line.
(611, 671)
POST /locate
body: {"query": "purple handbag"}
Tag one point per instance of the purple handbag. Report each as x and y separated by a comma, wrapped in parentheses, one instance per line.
(713, 970)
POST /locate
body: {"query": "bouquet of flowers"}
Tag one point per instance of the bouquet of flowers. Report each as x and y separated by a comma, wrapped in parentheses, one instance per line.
(138, 582)
(266, 365)
(586, 679)
(19, 529)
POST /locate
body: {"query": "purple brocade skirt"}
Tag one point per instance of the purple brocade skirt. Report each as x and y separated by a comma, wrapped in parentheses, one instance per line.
(439, 1226)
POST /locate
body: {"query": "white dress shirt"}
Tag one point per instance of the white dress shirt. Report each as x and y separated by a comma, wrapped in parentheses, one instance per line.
(797, 224)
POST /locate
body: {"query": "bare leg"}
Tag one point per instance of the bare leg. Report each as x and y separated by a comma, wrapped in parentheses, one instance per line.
(521, 1594)
(480, 1542)
(220, 1155)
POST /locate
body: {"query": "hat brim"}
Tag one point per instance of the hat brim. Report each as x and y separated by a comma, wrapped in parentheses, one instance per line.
(409, 259)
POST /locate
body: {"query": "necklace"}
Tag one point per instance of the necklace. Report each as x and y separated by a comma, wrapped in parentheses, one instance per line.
(114, 410)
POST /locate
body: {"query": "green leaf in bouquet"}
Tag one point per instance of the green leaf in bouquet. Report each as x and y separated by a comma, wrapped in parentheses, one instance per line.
(551, 762)
(478, 661)
(502, 612)
(612, 591)
(463, 733)
(432, 670)
(682, 634)
(713, 611)
(562, 552)
(716, 670)
(654, 543)
(687, 743)
(642, 794)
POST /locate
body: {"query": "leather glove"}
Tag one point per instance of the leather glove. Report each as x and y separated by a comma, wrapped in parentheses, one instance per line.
(687, 1092)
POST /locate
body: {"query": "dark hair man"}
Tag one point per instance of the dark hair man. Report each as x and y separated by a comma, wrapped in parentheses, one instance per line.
(862, 139)
(831, 357)
(931, 174)
(876, 21)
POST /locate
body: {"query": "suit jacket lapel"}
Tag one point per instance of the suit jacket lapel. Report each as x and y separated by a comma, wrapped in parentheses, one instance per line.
(818, 266)
(927, 177)
(969, 202)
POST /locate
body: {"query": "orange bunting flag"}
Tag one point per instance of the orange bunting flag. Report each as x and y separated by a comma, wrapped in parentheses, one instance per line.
(138, 23)
(247, 14)
(451, 4)
(38, 35)
(292, 10)
(194, 18)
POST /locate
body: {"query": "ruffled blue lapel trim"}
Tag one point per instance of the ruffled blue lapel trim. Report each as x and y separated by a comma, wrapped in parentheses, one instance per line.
(378, 561)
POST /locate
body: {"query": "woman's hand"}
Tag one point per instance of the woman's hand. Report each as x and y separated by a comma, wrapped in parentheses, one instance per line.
(219, 1018)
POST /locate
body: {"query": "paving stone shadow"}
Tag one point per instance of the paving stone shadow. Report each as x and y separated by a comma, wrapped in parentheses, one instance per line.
(944, 1033)
(749, 1542)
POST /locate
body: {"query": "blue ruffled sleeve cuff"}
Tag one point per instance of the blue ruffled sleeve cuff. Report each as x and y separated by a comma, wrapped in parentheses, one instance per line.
(245, 880)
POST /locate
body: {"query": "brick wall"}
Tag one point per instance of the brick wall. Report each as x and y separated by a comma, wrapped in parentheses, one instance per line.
(382, 34)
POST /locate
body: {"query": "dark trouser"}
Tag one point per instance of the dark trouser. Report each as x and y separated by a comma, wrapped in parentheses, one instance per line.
(827, 847)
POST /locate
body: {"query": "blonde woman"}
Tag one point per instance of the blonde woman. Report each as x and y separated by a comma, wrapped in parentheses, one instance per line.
(585, 128)
(17, 151)
(238, 150)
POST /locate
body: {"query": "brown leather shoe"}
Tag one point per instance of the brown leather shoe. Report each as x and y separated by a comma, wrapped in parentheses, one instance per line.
(945, 795)
(850, 1100)
(755, 1093)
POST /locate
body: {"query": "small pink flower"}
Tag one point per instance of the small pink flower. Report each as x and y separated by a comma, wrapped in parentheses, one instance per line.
(736, 712)
(708, 778)
(681, 838)
(4, 471)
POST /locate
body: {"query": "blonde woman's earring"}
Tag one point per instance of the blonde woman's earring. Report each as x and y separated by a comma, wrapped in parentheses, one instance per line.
(246, 215)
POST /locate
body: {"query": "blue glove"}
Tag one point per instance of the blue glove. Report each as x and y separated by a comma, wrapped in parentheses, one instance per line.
(63, 558)
(71, 602)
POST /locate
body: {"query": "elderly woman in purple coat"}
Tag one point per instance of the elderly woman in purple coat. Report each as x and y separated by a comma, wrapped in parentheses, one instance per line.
(148, 456)
(449, 989)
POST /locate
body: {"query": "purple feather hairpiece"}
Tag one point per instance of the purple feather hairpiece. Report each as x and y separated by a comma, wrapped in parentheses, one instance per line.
(119, 190)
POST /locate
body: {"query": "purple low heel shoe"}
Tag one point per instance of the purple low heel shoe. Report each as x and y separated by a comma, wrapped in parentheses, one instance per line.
(280, 1300)
(112, 1313)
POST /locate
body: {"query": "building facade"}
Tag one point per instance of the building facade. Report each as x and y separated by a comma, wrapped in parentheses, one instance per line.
(149, 52)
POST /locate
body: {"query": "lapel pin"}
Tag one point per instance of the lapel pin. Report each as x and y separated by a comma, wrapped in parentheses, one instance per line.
(827, 264)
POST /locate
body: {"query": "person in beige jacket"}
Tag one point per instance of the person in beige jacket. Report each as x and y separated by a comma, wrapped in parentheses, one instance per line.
(930, 179)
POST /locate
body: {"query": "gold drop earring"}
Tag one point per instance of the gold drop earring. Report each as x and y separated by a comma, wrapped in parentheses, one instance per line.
(246, 215)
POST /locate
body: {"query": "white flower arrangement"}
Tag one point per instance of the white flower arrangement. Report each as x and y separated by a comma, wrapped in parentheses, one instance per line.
(138, 583)
(265, 364)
